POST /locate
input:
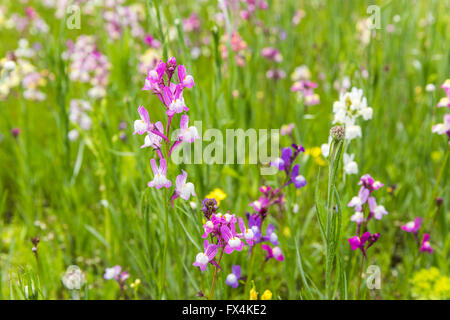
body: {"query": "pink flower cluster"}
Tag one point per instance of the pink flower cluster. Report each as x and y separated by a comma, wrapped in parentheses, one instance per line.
(365, 200)
(159, 81)
(88, 65)
(238, 46)
(444, 127)
(222, 231)
(413, 227)
(119, 17)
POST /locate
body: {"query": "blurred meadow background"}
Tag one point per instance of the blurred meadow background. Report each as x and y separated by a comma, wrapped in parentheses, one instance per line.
(73, 175)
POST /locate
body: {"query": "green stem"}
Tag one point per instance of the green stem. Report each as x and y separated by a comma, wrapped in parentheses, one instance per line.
(216, 270)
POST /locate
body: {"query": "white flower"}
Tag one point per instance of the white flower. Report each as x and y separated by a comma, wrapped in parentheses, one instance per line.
(350, 166)
(9, 66)
(74, 278)
(430, 87)
(367, 113)
(73, 135)
(351, 132)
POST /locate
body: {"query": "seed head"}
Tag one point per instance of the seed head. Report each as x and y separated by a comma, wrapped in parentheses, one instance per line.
(337, 133)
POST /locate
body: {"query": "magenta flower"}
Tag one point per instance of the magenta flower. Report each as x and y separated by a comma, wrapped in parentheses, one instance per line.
(272, 54)
(143, 125)
(426, 247)
(364, 242)
(211, 225)
(412, 226)
(15, 132)
(247, 234)
(231, 239)
(188, 134)
(159, 179)
(174, 100)
(260, 205)
(369, 183)
(273, 253)
(117, 274)
(203, 258)
(233, 278)
(187, 81)
(152, 139)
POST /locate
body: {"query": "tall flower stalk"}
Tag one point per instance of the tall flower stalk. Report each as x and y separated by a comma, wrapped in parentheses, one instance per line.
(333, 221)
(161, 82)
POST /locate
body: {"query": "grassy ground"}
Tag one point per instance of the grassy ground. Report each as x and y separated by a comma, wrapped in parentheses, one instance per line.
(88, 200)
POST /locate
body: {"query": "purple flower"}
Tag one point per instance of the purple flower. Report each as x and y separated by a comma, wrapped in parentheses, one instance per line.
(298, 180)
(412, 226)
(233, 278)
(159, 178)
(231, 239)
(254, 223)
(203, 258)
(247, 234)
(211, 226)
(273, 253)
(271, 235)
(426, 247)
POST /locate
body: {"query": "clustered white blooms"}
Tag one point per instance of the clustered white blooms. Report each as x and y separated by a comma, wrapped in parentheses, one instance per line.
(79, 115)
(16, 69)
(350, 106)
(74, 278)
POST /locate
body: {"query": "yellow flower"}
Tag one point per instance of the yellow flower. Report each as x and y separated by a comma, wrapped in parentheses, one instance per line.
(267, 295)
(315, 152)
(253, 293)
(436, 155)
(430, 284)
(217, 194)
(287, 232)
(136, 284)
